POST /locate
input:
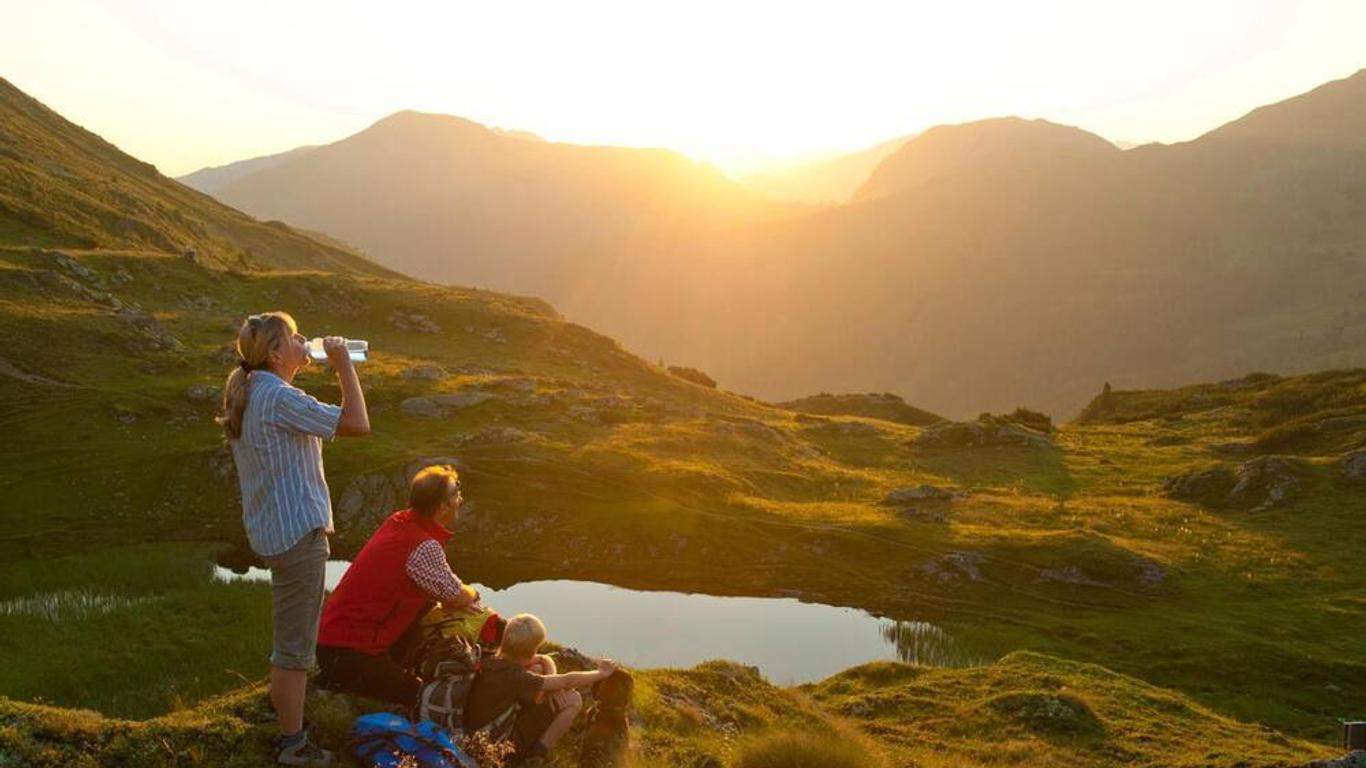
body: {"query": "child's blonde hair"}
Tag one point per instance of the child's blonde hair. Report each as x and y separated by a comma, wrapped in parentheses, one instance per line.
(522, 637)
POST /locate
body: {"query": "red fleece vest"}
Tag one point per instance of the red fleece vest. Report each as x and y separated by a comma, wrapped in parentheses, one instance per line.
(376, 601)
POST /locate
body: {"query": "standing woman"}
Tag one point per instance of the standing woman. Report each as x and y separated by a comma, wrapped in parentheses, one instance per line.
(276, 432)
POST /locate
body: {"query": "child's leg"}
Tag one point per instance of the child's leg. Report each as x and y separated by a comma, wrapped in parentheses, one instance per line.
(572, 704)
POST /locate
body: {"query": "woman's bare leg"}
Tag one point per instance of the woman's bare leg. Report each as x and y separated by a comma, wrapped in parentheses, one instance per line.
(288, 687)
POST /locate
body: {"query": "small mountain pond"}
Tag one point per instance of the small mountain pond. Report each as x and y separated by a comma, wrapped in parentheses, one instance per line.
(788, 640)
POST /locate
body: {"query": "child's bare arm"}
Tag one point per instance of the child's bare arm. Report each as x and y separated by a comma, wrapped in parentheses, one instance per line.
(578, 679)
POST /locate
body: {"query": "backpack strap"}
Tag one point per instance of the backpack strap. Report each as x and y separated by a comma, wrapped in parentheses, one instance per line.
(500, 727)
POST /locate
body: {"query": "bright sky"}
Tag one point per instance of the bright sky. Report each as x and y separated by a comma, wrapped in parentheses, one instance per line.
(188, 83)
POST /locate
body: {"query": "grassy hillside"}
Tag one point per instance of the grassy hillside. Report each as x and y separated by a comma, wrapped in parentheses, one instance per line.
(61, 185)
(1027, 710)
(586, 462)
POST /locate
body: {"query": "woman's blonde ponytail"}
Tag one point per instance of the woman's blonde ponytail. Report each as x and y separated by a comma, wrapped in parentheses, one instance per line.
(256, 339)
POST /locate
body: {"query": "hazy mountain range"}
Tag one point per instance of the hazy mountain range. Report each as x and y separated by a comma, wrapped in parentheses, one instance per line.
(983, 265)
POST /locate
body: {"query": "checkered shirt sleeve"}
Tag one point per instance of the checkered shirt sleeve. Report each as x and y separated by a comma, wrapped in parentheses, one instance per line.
(428, 569)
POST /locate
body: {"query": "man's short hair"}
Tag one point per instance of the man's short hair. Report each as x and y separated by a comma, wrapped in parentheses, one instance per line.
(431, 487)
(522, 637)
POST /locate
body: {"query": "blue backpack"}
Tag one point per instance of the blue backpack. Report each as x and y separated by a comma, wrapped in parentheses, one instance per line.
(384, 740)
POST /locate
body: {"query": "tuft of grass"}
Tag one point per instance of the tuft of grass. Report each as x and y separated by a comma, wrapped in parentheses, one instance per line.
(802, 750)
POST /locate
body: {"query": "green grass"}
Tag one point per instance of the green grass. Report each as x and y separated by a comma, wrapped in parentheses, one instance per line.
(136, 630)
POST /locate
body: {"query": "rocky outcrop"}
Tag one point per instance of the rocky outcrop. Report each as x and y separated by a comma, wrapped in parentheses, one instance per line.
(439, 406)
(1259, 484)
(150, 334)
(368, 498)
(1267, 482)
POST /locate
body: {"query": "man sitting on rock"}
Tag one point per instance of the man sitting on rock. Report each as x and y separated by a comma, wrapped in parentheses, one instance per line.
(391, 584)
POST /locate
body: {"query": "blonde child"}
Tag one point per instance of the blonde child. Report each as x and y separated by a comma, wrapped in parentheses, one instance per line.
(520, 685)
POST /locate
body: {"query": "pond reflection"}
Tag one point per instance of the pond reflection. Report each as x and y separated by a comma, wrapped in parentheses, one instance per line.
(926, 644)
(788, 640)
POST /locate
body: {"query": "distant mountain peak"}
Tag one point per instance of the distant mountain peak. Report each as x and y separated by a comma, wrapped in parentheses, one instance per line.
(411, 119)
(980, 146)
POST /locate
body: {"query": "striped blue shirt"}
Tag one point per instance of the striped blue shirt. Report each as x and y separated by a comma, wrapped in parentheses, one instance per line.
(280, 463)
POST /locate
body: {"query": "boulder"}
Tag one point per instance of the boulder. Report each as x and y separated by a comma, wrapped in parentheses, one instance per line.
(930, 513)
(76, 269)
(1259, 484)
(495, 435)
(1068, 574)
(1354, 466)
(438, 406)
(1266, 482)
(917, 493)
(202, 393)
(422, 408)
(414, 321)
(423, 373)
(1150, 574)
(954, 568)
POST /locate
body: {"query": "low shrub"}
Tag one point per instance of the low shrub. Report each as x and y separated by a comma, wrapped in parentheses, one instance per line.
(1031, 419)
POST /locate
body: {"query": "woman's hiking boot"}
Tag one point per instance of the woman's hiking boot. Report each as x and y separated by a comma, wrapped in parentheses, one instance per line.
(303, 751)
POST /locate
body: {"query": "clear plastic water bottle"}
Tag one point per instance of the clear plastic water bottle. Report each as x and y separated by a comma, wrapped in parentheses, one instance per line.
(359, 349)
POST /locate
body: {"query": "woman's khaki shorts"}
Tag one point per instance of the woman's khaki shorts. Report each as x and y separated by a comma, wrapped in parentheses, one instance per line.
(296, 591)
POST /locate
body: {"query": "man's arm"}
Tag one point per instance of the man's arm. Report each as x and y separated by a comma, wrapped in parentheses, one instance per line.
(355, 419)
(429, 570)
